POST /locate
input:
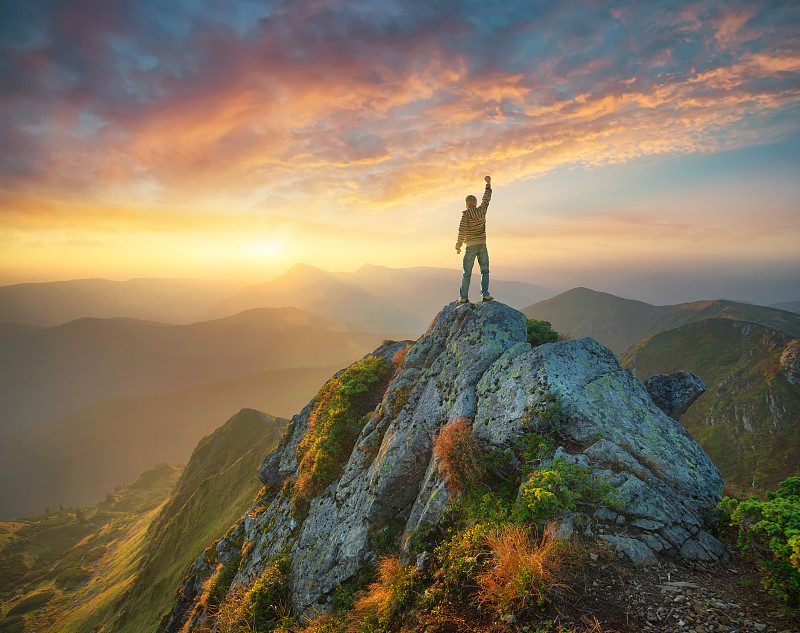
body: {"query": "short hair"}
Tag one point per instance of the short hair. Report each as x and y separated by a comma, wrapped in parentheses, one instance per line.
(471, 199)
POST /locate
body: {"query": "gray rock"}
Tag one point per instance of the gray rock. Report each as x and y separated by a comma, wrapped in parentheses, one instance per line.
(713, 547)
(474, 362)
(637, 551)
(693, 550)
(675, 393)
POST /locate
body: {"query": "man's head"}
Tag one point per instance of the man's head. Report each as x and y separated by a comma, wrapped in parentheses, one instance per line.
(471, 201)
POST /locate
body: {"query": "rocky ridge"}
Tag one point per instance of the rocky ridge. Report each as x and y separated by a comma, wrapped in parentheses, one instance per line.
(474, 362)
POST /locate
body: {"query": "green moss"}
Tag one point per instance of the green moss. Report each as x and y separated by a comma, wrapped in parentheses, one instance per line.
(342, 408)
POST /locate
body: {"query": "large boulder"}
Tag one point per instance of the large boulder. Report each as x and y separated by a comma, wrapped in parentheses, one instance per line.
(475, 362)
(675, 393)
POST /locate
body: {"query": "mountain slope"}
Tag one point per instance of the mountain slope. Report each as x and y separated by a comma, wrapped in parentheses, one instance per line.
(114, 563)
(620, 323)
(118, 438)
(749, 419)
(477, 435)
(64, 570)
(216, 488)
(56, 302)
(49, 372)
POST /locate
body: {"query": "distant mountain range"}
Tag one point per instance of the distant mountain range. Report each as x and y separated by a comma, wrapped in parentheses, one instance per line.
(163, 300)
(78, 458)
(789, 306)
(104, 388)
(620, 323)
(373, 297)
(48, 372)
(749, 419)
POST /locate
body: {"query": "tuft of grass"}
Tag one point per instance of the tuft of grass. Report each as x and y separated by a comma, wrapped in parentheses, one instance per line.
(522, 569)
(400, 355)
(460, 459)
(379, 608)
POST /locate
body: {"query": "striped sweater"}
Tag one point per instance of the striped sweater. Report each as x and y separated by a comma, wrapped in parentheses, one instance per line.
(472, 228)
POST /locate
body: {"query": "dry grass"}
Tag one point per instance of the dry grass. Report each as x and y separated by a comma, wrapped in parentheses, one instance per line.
(459, 455)
(522, 569)
(383, 599)
(233, 615)
(400, 355)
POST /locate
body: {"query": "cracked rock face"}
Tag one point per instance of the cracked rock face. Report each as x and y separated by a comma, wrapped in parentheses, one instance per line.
(675, 393)
(474, 362)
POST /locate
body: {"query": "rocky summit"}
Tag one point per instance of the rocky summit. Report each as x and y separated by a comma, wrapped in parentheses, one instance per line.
(474, 363)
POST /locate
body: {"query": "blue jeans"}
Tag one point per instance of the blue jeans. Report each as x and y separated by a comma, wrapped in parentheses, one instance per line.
(470, 253)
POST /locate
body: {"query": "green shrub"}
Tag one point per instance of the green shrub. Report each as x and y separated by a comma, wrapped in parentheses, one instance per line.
(340, 412)
(553, 490)
(268, 599)
(771, 529)
(540, 332)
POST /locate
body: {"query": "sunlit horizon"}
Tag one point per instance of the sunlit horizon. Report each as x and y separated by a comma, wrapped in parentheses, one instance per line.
(648, 149)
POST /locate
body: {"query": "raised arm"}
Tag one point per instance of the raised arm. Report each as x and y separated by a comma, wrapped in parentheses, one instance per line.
(487, 194)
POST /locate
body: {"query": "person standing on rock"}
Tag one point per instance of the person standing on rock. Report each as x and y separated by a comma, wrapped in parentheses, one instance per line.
(472, 233)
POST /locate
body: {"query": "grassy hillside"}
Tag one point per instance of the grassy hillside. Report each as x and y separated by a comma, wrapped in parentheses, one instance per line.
(62, 571)
(114, 565)
(749, 419)
(219, 484)
(49, 372)
(121, 437)
(620, 323)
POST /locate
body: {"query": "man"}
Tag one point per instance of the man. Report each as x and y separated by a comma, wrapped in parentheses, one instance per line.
(472, 233)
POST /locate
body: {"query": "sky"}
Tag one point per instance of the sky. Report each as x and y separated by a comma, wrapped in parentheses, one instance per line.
(649, 148)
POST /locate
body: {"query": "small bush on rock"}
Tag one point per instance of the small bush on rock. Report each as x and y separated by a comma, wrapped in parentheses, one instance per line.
(553, 490)
(540, 332)
(459, 455)
(268, 598)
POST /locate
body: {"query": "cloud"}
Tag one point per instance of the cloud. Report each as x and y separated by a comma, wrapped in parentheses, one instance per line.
(371, 104)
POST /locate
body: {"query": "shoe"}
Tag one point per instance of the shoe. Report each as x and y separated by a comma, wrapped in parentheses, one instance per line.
(460, 300)
(488, 297)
